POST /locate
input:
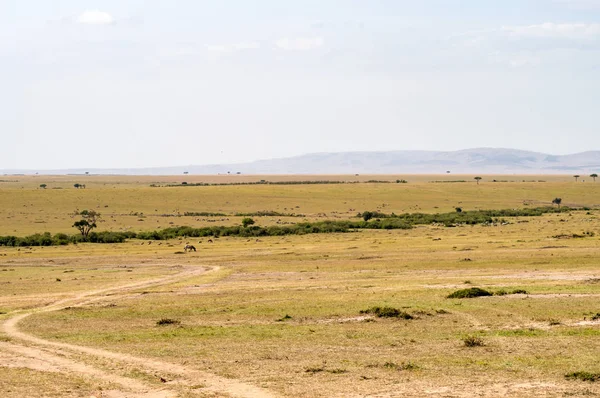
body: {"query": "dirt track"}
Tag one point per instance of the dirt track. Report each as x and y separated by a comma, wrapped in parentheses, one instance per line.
(32, 352)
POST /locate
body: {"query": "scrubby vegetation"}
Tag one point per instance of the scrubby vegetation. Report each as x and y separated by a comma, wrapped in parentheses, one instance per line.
(264, 182)
(167, 321)
(583, 376)
(268, 213)
(463, 217)
(469, 293)
(473, 341)
(47, 239)
(387, 312)
(370, 220)
(203, 214)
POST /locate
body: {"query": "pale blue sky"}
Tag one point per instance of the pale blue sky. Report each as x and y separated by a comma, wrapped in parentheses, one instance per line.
(132, 83)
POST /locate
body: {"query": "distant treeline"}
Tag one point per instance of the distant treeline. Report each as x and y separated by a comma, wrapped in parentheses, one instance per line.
(370, 220)
(264, 182)
(262, 213)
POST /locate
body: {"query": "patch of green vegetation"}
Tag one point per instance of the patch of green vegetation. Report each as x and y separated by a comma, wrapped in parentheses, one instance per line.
(387, 312)
(401, 366)
(268, 213)
(583, 376)
(473, 341)
(464, 217)
(203, 214)
(167, 321)
(522, 333)
(503, 292)
(469, 293)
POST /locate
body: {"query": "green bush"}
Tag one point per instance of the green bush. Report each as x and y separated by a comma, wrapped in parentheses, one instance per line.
(167, 321)
(473, 341)
(469, 293)
(387, 312)
(584, 376)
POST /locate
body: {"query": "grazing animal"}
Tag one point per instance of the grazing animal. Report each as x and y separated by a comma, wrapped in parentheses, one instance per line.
(189, 247)
(210, 241)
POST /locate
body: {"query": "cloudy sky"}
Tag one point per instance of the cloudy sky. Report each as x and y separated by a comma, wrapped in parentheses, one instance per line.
(134, 83)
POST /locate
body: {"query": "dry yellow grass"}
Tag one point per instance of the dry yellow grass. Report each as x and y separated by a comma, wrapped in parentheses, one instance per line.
(129, 203)
(283, 314)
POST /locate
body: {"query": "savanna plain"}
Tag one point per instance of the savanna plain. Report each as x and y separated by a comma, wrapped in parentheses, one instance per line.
(506, 307)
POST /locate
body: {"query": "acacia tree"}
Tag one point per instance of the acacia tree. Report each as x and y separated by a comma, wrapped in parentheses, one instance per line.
(594, 176)
(247, 222)
(87, 222)
(477, 179)
(557, 201)
(576, 177)
(43, 186)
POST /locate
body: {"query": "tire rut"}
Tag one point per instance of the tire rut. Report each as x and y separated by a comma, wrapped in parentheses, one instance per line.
(55, 354)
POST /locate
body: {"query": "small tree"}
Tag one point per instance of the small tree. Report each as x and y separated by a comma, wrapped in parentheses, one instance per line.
(43, 186)
(477, 179)
(87, 222)
(594, 176)
(557, 201)
(247, 222)
(576, 176)
(458, 209)
(367, 215)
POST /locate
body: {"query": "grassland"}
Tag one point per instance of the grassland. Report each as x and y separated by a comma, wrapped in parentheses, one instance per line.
(130, 203)
(283, 314)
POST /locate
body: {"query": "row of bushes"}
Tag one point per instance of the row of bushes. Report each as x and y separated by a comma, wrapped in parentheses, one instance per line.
(264, 182)
(268, 213)
(46, 239)
(382, 221)
(203, 214)
(463, 217)
(60, 239)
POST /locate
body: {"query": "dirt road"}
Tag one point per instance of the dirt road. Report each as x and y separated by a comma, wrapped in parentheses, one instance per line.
(25, 350)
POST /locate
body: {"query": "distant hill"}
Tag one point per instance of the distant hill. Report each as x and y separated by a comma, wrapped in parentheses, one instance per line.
(467, 161)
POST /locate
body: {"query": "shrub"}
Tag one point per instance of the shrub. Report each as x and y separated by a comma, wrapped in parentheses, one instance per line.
(402, 366)
(469, 293)
(167, 321)
(473, 341)
(584, 376)
(519, 291)
(315, 369)
(387, 312)
(246, 222)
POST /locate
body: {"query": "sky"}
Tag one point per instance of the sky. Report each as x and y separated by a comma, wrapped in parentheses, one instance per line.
(149, 83)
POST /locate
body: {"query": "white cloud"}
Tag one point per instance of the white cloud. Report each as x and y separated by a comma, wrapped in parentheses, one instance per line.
(300, 43)
(555, 31)
(95, 17)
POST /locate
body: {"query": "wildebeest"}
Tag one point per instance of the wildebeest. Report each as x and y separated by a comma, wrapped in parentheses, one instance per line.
(189, 247)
